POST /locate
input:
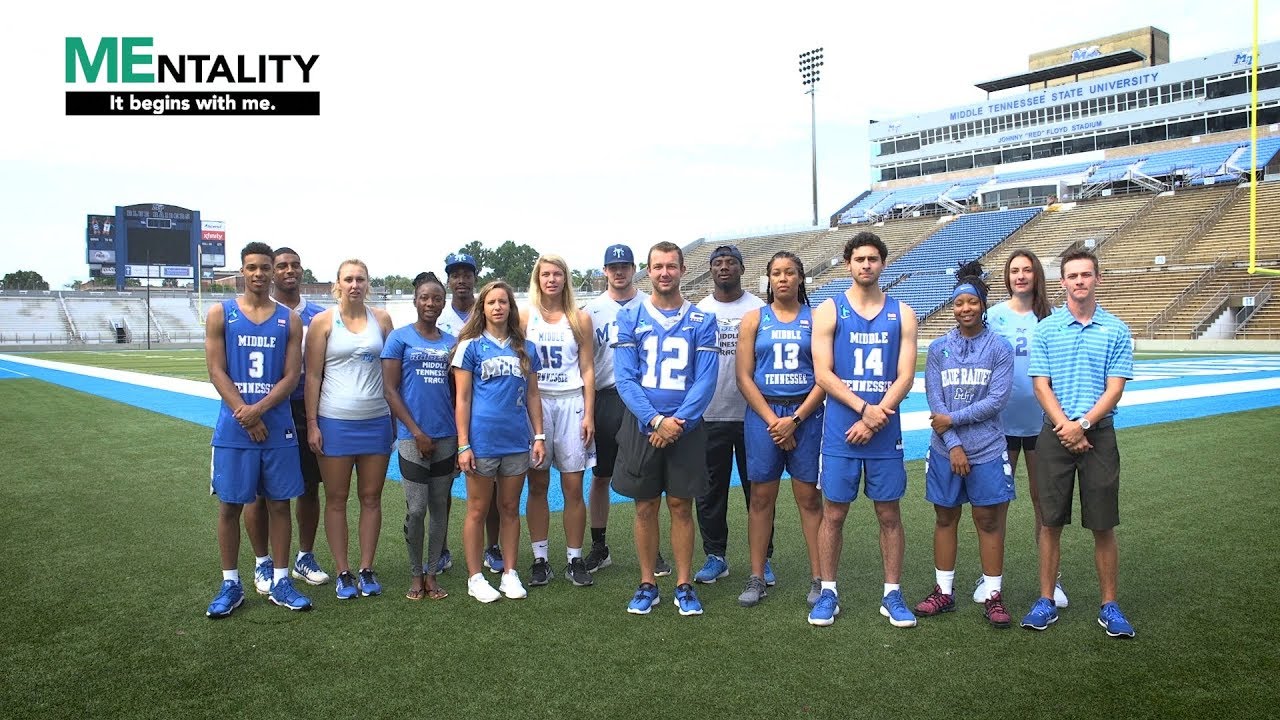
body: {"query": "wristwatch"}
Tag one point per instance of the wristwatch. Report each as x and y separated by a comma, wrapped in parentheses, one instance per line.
(656, 421)
(1084, 423)
(797, 419)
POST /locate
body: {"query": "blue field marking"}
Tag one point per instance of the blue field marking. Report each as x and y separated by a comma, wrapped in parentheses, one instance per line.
(1162, 377)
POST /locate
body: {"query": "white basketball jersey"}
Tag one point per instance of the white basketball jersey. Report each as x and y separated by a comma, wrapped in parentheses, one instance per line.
(558, 350)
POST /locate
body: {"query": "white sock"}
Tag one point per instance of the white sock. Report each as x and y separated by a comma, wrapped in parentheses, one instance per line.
(946, 581)
(890, 587)
(830, 585)
(991, 584)
(259, 560)
(574, 553)
(540, 549)
(231, 575)
(280, 574)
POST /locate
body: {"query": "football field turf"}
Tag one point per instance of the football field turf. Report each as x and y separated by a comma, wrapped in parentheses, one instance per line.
(108, 527)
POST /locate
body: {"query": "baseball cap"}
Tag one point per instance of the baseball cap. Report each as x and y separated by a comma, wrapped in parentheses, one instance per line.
(618, 254)
(727, 251)
(455, 259)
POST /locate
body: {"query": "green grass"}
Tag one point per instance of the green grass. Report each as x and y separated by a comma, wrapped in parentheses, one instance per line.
(108, 528)
(189, 364)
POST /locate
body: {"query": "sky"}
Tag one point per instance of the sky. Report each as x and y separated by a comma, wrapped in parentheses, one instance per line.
(565, 126)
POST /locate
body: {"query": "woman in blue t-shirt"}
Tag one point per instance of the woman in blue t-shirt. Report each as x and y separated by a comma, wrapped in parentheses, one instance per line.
(415, 374)
(499, 420)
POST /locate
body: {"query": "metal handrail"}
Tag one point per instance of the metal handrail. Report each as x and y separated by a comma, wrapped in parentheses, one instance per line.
(1179, 300)
(1209, 311)
(1201, 227)
(1259, 301)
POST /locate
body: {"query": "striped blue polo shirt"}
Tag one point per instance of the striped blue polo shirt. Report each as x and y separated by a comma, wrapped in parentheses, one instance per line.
(1078, 358)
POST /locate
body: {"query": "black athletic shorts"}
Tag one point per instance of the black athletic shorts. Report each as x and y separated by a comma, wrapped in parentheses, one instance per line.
(310, 467)
(609, 412)
(1020, 443)
(1099, 473)
(644, 472)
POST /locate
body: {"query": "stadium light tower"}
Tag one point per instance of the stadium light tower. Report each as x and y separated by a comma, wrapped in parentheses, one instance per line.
(810, 66)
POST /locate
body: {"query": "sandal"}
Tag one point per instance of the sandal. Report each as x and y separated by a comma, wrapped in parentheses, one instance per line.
(437, 594)
(416, 594)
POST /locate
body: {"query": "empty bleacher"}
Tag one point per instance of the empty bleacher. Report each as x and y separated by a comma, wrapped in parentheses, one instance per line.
(1230, 235)
(1161, 227)
(177, 317)
(96, 319)
(1264, 324)
(35, 318)
(1137, 296)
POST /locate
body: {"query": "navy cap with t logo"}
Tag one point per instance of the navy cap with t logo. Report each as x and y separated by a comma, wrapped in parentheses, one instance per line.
(618, 254)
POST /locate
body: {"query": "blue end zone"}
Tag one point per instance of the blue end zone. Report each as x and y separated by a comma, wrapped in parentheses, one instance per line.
(1160, 374)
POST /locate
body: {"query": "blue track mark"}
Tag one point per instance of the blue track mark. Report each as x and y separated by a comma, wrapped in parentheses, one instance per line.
(1161, 373)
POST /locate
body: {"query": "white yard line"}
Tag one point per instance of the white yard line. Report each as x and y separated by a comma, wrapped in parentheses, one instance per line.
(195, 388)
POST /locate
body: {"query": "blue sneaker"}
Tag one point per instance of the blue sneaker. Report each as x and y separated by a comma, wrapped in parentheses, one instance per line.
(493, 559)
(896, 610)
(1114, 621)
(284, 595)
(645, 599)
(687, 600)
(263, 575)
(368, 583)
(824, 611)
(306, 569)
(230, 595)
(769, 578)
(1041, 616)
(712, 570)
(346, 586)
(445, 562)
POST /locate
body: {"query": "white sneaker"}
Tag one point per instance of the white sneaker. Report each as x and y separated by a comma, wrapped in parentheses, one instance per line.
(264, 577)
(979, 591)
(480, 589)
(1059, 596)
(511, 587)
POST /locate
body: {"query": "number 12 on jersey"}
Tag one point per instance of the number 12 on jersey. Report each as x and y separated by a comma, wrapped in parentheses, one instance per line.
(665, 369)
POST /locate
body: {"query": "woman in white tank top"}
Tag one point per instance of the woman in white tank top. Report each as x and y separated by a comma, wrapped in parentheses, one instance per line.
(562, 334)
(348, 421)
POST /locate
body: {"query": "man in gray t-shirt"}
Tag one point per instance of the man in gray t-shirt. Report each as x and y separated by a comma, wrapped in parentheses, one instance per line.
(724, 417)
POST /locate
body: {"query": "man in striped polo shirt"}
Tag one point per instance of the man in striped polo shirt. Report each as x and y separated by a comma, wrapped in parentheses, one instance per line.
(1081, 356)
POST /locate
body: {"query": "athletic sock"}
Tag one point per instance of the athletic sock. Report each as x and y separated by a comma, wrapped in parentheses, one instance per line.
(540, 549)
(231, 575)
(890, 587)
(830, 585)
(946, 581)
(597, 535)
(280, 574)
(301, 553)
(259, 560)
(991, 584)
(573, 553)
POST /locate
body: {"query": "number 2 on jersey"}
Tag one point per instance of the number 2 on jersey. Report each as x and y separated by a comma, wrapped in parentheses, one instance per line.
(665, 370)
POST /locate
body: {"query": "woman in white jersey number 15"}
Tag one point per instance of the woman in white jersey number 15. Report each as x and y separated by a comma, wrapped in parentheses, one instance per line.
(562, 335)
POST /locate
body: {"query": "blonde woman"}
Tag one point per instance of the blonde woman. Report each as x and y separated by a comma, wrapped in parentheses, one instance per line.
(348, 421)
(561, 333)
(499, 418)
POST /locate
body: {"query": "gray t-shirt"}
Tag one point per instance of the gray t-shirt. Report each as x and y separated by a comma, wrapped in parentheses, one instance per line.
(727, 404)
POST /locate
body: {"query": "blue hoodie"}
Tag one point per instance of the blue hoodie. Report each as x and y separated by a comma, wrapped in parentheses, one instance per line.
(970, 380)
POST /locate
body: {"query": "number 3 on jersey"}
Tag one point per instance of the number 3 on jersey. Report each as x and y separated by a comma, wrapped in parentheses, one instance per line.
(256, 363)
(665, 369)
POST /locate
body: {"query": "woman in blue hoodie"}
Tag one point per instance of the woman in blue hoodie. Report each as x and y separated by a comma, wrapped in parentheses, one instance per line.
(968, 377)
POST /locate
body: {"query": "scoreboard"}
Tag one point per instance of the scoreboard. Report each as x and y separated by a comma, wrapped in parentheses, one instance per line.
(153, 240)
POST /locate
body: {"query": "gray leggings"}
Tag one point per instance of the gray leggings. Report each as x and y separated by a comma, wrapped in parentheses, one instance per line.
(424, 493)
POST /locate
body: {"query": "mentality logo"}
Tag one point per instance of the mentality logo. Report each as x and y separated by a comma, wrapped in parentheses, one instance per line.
(128, 61)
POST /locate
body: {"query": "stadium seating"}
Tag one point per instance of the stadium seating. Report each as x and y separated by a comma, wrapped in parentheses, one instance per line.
(1161, 227)
(1137, 296)
(177, 318)
(1190, 162)
(968, 237)
(1264, 324)
(1047, 172)
(1230, 235)
(34, 318)
(96, 318)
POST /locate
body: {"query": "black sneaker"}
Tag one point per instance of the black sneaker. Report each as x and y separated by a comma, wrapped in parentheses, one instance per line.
(541, 573)
(661, 568)
(598, 557)
(577, 573)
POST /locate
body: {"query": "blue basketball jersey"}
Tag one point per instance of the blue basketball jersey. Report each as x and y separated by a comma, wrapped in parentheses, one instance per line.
(499, 391)
(255, 363)
(1022, 416)
(308, 311)
(866, 359)
(784, 354)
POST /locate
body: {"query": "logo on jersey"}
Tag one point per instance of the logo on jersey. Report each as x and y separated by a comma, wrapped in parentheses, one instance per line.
(844, 312)
(765, 317)
(281, 322)
(288, 434)
(696, 317)
(892, 316)
(804, 323)
(233, 316)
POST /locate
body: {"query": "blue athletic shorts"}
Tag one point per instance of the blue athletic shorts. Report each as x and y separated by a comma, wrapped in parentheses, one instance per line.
(765, 460)
(240, 475)
(988, 483)
(340, 438)
(839, 477)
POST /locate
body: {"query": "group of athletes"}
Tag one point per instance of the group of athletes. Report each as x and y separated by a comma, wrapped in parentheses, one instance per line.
(660, 397)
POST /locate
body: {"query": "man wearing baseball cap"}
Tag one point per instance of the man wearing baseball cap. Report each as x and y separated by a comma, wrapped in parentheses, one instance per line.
(725, 430)
(619, 271)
